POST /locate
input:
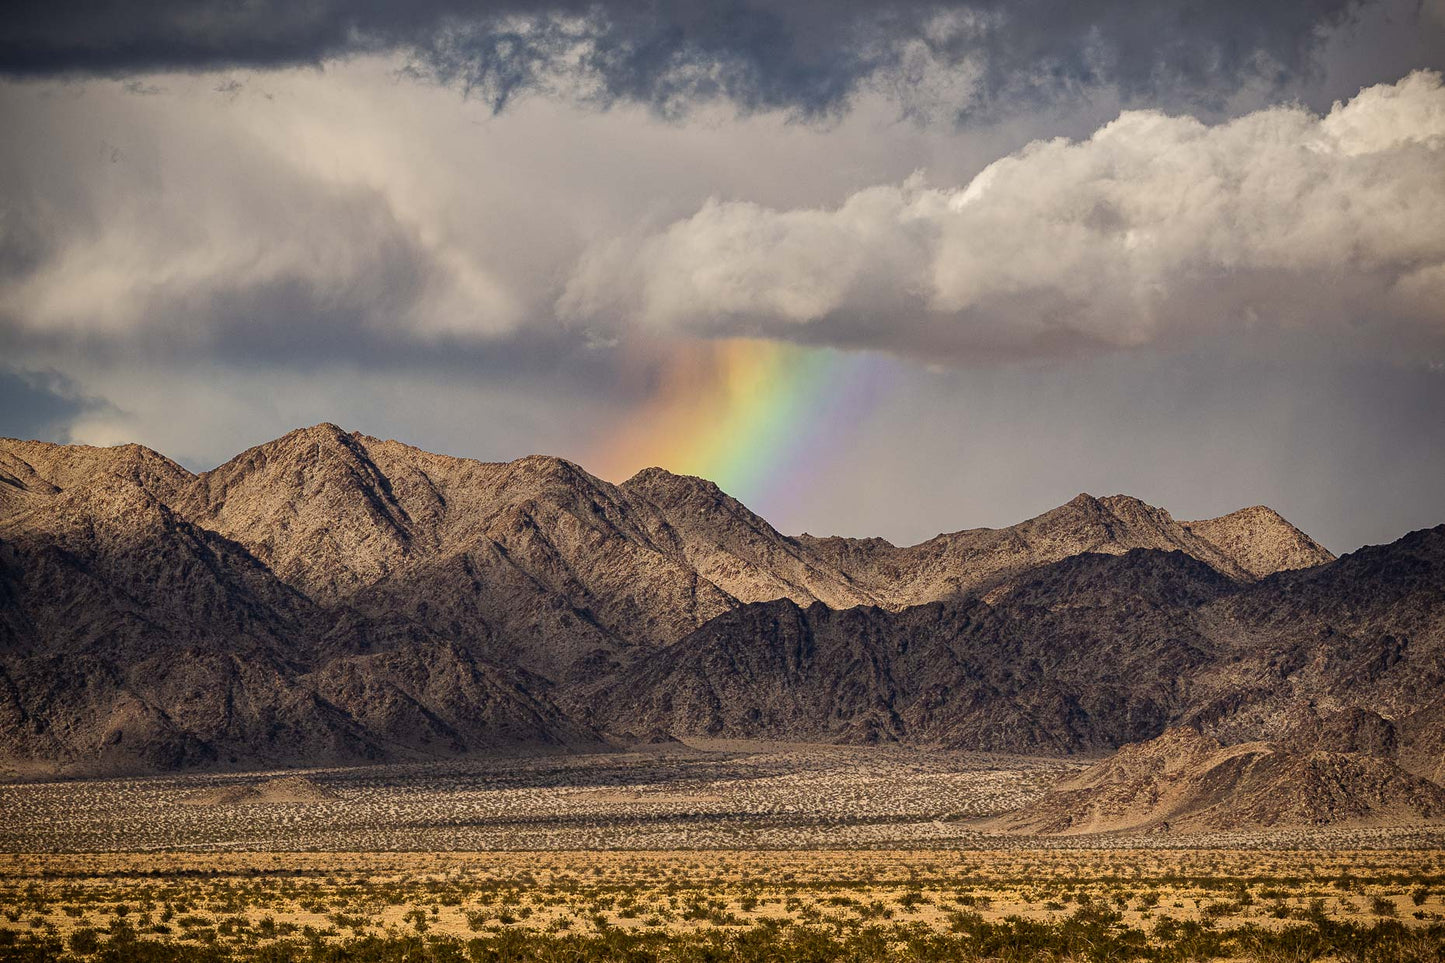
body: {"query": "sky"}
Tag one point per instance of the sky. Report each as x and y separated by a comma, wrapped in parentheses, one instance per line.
(875, 268)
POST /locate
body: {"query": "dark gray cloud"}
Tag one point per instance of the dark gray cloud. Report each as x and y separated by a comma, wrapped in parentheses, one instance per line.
(42, 404)
(806, 56)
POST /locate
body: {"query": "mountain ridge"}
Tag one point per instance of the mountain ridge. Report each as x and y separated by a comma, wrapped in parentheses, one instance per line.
(333, 596)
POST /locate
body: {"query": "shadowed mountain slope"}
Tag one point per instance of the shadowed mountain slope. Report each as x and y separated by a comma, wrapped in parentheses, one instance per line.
(1086, 654)
(1091, 653)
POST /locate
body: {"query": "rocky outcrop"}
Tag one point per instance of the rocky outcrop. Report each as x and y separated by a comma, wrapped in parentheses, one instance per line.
(1186, 782)
(33, 471)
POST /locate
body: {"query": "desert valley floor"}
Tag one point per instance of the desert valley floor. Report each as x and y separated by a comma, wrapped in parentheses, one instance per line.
(701, 795)
(707, 850)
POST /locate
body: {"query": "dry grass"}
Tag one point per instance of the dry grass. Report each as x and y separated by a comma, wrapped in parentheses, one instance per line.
(208, 897)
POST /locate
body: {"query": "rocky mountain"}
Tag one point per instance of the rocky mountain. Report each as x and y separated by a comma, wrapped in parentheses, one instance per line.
(1367, 630)
(535, 561)
(131, 637)
(736, 550)
(328, 596)
(32, 472)
(1085, 654)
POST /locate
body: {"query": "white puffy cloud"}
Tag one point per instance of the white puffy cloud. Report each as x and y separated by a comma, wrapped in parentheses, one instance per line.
(1154, 227)
(304, 213)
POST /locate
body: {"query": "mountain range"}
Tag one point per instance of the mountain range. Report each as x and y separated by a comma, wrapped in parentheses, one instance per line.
(329, 597)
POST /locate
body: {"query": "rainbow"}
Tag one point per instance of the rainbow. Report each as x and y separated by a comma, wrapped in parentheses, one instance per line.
(760, 418)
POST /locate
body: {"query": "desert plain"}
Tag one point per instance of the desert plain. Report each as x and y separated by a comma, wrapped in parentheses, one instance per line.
(704, 850)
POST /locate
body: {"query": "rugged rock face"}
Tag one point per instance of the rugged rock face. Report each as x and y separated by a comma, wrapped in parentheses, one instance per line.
(1366, 631)
(1089, 653)
(535, 561)
(333, 597)
(1184, 781)
(1421, 741)
(736, 550)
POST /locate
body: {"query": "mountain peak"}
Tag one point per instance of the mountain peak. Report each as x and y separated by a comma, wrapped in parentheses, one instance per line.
(322, 437)
(655, 473)
(1260, 541)
(38, 469)
(312, 504)
(1128, 505)
(321, 428)
(657, 483)
(548, 465)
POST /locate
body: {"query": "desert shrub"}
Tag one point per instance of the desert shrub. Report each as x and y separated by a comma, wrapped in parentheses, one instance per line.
(84, 940)
(1095, 934)
(1218, 910)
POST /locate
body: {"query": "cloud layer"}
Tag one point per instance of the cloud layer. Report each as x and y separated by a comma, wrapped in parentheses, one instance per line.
(341, 216)
(302, 216)
(205, 257)
(808, 56)
(1154, 228)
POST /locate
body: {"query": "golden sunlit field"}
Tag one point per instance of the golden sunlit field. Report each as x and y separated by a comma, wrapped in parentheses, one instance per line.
(1066, 904)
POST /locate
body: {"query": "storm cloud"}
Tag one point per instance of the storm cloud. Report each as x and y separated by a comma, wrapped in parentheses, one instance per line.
(810, 57)
(43, 404)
